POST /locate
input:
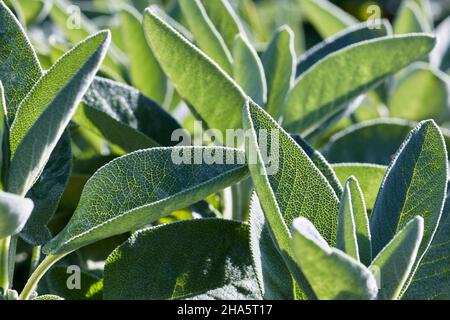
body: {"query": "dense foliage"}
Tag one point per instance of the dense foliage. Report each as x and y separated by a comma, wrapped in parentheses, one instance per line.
(337, 189)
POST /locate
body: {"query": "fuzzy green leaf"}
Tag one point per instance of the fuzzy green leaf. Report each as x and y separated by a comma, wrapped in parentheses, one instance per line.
(44, 114)
(273, 276)
(318, 94)
(410, 19)
(248, 70)
(369, 177)
(394, 263)
(347, 240)
(76, 27)
(374, 141)
(47, 192)
(224, 19)
(287, 182)
(19, 67)
(144, 186)
(423, 93)
(332, 274)
(414, 185)
(197, 259)
(347, 37)
(14, 213)
(145, 73)
(205, 33)
(321, 163)
(215, 97)
(279, 65)
(432, 278)
(124, 116)
(327, 18)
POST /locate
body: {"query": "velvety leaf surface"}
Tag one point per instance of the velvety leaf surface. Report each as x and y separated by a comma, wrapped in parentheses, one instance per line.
(142, 187)
(423, 93)
(351, 35)
(327, 18)
(224, 19)
(273, 276)
(410, 19)
(215, 97)
(248, 70)
(394, 263)
(47, 191)
(43, 116)
(14, 213)
(332, 274)
(347, 239)
(124, 116)
(318, 94)
(432, 278)
(287, 182)
(374, 141)
(19, 67)
(369, 177)
(197, 259)
(145, 72)
(279, 63)
(321, 163)
(76, 27)
(414, 185)
(205, 33)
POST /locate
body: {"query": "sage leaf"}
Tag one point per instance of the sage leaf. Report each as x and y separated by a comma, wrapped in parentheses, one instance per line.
(14, 213)
(414, 185)
(273, 276)
(124, 116)
(279, 63)
(197, 259)
(410, 19)
(47, 192)
(349, 36)
(76, 27)
(432, 278)
(318, 94)
(368, 175)
(384, 136)
(145, 73)
(142, 187)
(332, 274)
(395, 262)
(224, 19)
(321, 163)
(248, 70)
(43, 116)
(327, 18)
(423, 93)
(216, 98)
(20, 67)
(287, 182)
(350, 206)
(205, 33)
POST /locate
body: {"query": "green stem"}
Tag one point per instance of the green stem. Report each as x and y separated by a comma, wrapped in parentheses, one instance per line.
(35, 258)
(12, 258)
(37, 275)
(4, 264)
